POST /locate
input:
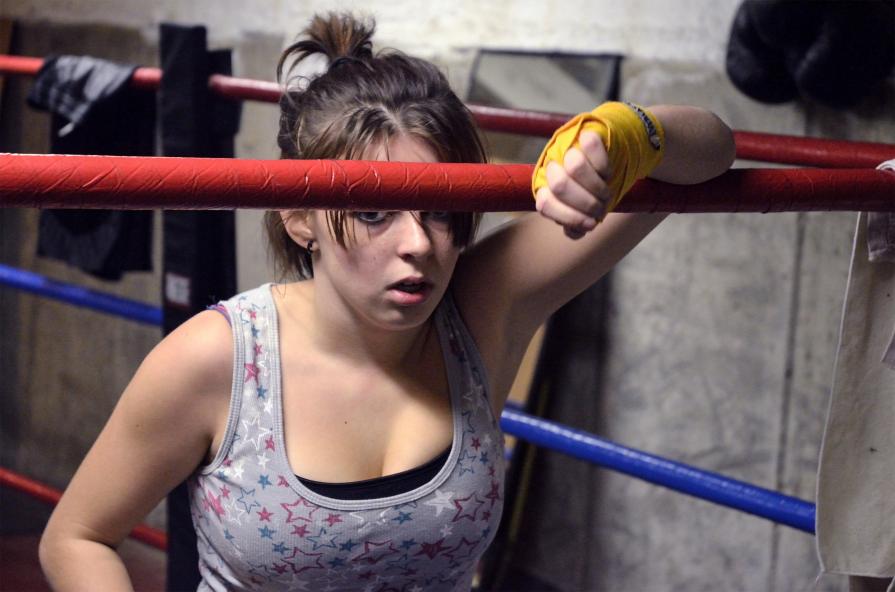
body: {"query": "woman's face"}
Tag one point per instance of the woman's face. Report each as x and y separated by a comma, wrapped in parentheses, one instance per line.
(398, 265)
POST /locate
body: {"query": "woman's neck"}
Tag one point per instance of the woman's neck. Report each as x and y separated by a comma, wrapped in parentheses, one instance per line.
(334, 330)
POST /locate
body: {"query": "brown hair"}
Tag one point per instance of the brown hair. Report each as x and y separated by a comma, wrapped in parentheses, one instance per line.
(362, 99)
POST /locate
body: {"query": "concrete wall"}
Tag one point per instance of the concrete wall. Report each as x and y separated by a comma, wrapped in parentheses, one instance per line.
(722, 327)
(689, 30)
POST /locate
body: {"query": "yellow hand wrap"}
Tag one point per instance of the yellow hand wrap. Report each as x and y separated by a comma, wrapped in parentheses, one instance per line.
(633, 137)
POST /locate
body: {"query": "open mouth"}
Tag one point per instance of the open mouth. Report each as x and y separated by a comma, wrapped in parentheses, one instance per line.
(411, 291)
(410, 287)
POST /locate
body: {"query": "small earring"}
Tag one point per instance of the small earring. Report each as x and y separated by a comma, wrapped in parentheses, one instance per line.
(310, 246)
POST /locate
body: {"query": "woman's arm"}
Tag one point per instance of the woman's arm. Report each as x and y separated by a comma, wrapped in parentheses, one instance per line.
(511, 282)
(159, 432)
(698, 145)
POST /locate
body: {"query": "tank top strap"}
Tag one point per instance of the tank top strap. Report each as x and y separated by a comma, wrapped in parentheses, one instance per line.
(251, 419)
(462, 354)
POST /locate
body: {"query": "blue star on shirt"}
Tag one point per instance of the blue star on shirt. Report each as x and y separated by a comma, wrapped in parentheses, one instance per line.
(337, 562)
(316, 539)
(280, 548)
(262, 392)
(264, 481)
(465, 462)
(247, 504)
(408, 543)
(266, 533)
(403, 517)
(348, 546)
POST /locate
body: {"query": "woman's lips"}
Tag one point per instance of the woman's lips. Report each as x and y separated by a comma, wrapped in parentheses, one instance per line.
(408, 298)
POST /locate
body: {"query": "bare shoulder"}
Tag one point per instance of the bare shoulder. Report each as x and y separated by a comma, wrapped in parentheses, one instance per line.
(199, 353)
(189, 371)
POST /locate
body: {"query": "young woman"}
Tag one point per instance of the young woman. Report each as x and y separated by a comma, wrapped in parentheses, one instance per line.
(340, 432)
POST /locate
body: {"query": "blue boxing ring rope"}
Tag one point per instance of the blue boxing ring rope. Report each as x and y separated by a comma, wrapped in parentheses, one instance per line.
(79, 296)
(680, 477)
(674, 475)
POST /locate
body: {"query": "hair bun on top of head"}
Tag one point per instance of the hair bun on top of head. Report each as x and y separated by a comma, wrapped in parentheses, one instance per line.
(329, 41)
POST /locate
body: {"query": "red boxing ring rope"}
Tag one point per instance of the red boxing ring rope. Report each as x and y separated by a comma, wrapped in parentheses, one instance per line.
(776, 148)
(49, 495)
(121, 182)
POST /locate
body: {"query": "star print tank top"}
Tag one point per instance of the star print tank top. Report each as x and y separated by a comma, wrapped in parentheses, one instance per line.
(260, 528)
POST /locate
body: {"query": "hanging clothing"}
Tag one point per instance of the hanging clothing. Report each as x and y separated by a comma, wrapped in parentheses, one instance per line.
(856, 480)
(94, 111)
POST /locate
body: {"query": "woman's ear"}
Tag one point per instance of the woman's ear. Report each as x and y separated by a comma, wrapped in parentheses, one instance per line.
(298, 225)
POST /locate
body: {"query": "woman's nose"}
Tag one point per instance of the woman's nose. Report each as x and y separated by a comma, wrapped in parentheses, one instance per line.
(414, 240)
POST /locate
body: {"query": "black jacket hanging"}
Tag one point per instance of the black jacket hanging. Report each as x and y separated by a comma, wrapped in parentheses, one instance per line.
(94, 111)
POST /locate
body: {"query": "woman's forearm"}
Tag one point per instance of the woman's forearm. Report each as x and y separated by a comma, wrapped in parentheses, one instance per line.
(698, 145)
(82, 565)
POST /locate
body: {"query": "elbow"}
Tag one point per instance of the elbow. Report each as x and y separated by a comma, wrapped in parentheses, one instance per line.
(52, 551)
(698, 145)
(46, 552)
(716, 150)
(727, 152)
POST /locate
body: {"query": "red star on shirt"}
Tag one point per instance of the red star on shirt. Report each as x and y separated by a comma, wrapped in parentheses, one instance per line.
(494, 494)
(374, 552)
(467, 507)
(333, 519)
(463, 550)
(264, 514)
(301, 509)
(430, 550)
(213, 502)
(251, 372)
(300, 530)
(303, 561)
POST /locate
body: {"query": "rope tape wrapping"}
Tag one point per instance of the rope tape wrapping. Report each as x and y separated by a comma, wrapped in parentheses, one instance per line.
(122, 182)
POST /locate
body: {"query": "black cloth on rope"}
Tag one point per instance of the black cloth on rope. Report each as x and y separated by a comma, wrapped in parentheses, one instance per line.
(94, 111)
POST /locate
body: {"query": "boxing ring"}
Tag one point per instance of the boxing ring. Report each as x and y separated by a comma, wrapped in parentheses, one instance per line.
(846, 180)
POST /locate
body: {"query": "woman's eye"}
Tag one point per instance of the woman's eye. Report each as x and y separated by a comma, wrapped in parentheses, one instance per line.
(438, 217)
(371, 217)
